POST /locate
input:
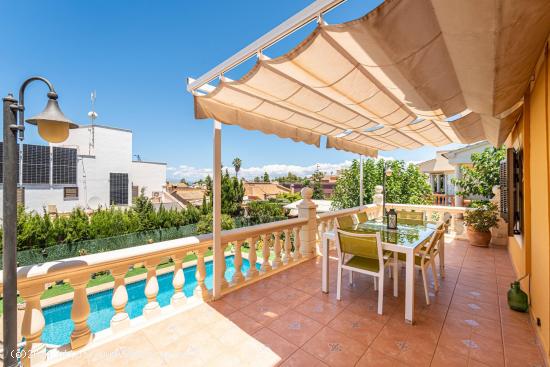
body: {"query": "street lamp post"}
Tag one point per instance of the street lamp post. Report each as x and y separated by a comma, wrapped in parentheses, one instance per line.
(53, 127)
(386, 171)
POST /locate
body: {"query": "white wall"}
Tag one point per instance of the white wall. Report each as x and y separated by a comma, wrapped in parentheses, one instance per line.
(101, 150)
(150, 176)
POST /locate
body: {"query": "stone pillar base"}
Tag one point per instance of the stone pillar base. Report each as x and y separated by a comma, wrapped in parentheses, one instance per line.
(81, 340)
(151, 310)
(178, 299)
(120, 321)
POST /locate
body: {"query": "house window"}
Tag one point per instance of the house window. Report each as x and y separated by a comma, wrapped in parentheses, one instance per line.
(118, 188)
(70, 193)
(64, 166)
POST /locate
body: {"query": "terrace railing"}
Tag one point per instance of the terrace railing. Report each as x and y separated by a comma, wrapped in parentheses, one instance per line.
(273, 246)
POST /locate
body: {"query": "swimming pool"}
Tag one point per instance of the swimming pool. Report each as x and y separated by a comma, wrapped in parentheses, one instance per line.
(58, 317)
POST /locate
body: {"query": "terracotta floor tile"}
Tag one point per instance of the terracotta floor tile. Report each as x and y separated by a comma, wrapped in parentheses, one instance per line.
(373, 358)
(302, 359)
(295, 327)
(400, 343)
(444, 357)
(276, 343)
(289, 297)
(222, 307)
(242, 297)
(334, 348)
(319, 310)
(359, 328)
(246, 323)
(264, 310)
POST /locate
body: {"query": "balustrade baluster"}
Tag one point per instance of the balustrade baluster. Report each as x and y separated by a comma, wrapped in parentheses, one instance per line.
(266, 239)
(80, 311)
(178, 298)
(277, 262)
(238, 263)
(225, 284)
(201, 291)
(119, 301)
(297, 242)
(288, 248)
(33, 325)
(252, 258)
(152, 307)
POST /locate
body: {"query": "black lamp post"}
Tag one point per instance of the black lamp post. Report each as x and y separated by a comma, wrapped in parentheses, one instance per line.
(53, 127)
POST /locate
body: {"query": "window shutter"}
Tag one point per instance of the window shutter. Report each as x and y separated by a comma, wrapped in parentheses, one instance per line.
(504, 213)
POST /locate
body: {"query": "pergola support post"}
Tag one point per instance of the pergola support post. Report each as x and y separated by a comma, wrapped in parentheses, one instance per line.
(361, 193)
(217, 211)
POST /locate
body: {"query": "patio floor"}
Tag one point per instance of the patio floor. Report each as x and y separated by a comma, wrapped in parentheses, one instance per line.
(286, 320)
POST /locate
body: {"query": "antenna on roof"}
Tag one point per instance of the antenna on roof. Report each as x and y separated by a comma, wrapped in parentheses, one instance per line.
(92, 115)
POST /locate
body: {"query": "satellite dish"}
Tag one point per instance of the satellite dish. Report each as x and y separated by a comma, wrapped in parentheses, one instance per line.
(93, 115)
(94, 202)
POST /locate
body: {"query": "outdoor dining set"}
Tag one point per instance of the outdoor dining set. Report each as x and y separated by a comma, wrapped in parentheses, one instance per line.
(368, 245)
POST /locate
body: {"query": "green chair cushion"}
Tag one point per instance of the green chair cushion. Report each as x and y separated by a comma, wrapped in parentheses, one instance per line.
(345, 222)
(364, 263)
(360, 246)
(362, 217)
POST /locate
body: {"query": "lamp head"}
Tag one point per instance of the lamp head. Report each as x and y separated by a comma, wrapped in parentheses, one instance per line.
(388, 172)
(53, 125)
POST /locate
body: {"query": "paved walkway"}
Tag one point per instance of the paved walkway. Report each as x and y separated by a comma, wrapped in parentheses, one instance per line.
(286, 320)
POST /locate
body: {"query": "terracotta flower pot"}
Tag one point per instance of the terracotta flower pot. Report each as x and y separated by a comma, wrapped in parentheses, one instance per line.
(480, 239)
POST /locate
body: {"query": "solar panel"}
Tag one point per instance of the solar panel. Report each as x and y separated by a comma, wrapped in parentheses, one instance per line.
(2, 162)
(118, 184)
(64, 166)
(36, 164)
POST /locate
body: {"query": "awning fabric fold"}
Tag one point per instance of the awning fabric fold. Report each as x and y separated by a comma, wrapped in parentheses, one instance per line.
(393, 78)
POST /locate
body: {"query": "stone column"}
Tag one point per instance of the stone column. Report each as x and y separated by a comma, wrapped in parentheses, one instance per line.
(378, 199)
(499, 235)
(308, 233)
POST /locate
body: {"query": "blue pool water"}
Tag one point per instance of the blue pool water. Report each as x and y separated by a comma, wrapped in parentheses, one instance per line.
(58, 318)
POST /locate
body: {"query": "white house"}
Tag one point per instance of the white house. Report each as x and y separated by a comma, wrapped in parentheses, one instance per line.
(92, 168)
(444, 167)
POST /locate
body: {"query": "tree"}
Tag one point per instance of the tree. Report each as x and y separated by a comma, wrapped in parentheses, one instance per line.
(483, 175)
(316, 186)
(232, 190)
(406, 185)
(266, 177)
(264, 211)
(184, 181)
(237, 165)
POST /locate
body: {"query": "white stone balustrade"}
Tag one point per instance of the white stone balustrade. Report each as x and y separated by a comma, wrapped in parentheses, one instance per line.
(201, 291)
(178, 282)
(266, 240)
(238, 277)
(120, 320)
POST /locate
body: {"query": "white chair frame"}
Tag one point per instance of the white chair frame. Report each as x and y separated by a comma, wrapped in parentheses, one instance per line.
(378, 276)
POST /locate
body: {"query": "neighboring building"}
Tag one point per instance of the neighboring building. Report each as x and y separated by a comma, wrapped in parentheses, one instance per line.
(186, 194)
(440, 174)
(92, 168)
(263, 190)
(446, 166)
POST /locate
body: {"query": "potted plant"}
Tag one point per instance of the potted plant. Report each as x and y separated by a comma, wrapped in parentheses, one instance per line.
(479, 221)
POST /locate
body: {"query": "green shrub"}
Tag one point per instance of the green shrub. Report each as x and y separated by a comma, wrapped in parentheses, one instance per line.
(482, 218)
(205, 223)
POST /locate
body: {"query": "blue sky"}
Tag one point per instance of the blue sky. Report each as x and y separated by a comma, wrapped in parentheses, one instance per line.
(137, 55)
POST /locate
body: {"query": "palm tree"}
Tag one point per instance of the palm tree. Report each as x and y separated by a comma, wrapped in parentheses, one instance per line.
(237, 165)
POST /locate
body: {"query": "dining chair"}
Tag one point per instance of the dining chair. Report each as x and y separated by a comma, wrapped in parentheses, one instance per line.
(345, 222)
(411, 215)
(362, 253)
(426, 258)
(361, 217)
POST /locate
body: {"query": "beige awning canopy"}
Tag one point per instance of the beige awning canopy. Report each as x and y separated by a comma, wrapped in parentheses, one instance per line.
(405, 75)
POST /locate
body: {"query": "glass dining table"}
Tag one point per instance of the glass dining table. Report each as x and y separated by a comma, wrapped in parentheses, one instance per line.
(408, 238)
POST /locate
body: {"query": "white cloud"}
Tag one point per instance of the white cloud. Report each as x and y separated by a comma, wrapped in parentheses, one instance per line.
(191, 173)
